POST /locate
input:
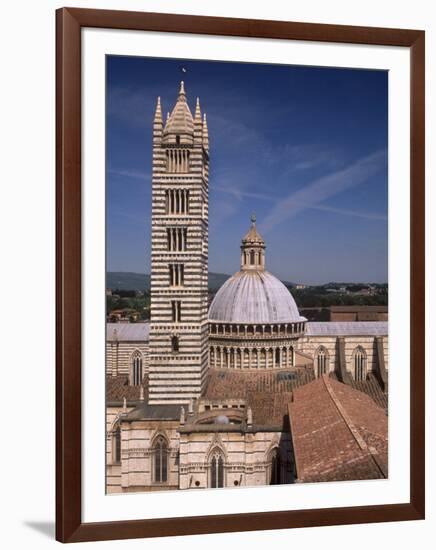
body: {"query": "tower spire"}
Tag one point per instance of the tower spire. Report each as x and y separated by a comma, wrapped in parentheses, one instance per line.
(179, 127)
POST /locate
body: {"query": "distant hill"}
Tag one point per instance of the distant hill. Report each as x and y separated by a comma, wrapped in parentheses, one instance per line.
(216, 280)
(127, 281)
(124, 280)
(141, 281)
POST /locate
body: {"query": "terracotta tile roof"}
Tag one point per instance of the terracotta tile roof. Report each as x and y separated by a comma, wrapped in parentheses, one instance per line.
(338, 433)
(371, 387)
(118, 388)
(267, 393)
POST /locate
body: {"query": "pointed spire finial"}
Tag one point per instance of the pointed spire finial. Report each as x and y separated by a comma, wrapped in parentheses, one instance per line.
(158, 113)
(205, 133)
(182, 88)
(253, 218)
(197, 116)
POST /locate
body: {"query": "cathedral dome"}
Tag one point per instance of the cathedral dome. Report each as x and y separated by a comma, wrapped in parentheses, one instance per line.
(254, 297)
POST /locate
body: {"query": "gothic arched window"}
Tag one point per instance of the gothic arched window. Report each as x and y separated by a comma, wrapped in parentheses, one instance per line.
(275, 468)
(321, 361)
(136, 369)
(277, 358)
(117, 445)
(359, 364)
(160, 459)
(216, 470)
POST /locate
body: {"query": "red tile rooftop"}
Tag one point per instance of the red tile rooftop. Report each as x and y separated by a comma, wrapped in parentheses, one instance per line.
(338, 433)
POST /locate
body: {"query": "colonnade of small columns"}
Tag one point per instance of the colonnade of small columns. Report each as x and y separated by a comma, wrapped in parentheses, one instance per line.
(177, 201)
(271, 357)
(285, 329)
(253, 257)
(178, 160)
(176, 238)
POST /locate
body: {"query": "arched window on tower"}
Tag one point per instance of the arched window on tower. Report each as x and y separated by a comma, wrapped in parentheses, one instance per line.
(177, 140)
(216, 469)
(175, 343)
(321, 361)
(252, 259)
(160, 460)
(359, 364)
(136, 369)
(277, 357)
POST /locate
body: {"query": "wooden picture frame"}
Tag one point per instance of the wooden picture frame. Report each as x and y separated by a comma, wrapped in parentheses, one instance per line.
(69, 526)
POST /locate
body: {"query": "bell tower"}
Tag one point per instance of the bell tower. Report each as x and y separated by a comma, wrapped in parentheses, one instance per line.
(179, 254)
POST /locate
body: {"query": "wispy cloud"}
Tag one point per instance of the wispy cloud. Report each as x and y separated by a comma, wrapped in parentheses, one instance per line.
(240, 194)
(136, 174)
(314, 194)
(346, 212)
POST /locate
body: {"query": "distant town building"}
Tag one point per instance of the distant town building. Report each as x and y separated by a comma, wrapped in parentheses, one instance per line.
(125, 315)
(358, 313)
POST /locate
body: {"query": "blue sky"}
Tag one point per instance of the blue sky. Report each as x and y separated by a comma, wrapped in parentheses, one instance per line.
(305, 148)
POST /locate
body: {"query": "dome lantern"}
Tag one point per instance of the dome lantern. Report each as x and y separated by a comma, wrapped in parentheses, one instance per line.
(253, 249)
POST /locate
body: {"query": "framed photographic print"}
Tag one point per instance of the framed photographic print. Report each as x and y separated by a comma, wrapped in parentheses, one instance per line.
(240, 261)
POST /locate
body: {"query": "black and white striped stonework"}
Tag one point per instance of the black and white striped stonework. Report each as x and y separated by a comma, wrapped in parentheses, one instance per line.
(179, 255)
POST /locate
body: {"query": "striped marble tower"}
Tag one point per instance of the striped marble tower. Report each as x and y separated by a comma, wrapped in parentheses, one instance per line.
(179, 255)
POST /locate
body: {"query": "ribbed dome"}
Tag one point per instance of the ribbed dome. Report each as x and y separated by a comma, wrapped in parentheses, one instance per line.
(254, 297)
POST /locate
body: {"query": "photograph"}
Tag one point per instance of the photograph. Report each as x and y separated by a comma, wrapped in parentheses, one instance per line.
(247, 321)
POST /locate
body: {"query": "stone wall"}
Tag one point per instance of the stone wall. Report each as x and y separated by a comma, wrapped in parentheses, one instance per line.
(119, 356)
(309, 345)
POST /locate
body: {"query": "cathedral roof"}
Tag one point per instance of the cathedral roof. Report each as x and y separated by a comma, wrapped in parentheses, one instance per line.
(347, 328)
(180, 120)
(338, 433)
(128, 332)
(254, 296)
(267, 393)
